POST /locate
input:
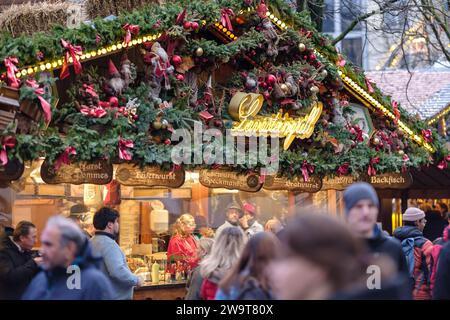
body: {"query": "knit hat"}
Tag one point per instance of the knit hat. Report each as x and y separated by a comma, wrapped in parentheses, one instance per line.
(234, 206)
(78, 210)
(359, 191)
(250, 208)
(413, 214)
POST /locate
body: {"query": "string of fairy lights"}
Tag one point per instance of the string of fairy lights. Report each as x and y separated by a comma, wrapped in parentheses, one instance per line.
(228, 34)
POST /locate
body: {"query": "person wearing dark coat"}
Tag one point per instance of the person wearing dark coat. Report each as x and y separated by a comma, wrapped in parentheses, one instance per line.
(361, 204)
(435, 225)
(70, 272)
(17, 267)
(441, 290)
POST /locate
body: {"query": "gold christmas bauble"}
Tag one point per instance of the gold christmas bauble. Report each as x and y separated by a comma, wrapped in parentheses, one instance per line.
(284, 88)
(301, 47)
(199, 52)
(157, 125)
(376, 141)
(315, 89)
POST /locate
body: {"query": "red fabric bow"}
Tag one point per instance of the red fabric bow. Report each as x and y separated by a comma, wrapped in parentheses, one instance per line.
(7, 142)
(225, 19)
(357, 132)
(45, 105)
(71, 51)
(64, 158)
(343, 169)
(11, 70)
(427, 135)
(371, 171)
(396, 111)
(97, 112)
(130, 29)
(306, 170)
(369, 86)
(90, 90)
(123, 145)
(341, 61)
(443, 164)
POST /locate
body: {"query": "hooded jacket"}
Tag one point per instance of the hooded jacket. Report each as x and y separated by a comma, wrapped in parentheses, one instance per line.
(422, 249)
(380, 243)
(435, 253)
(62, 283)
(17, 269)
(441, 289)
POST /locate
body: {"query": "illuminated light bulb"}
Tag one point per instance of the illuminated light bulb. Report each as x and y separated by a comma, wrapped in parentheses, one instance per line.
(279, 22)
(109, 49)
(35, 69)
(204, 22)
(139, 41)
(271, 16)
(55, 64)
(70, 59)
(283, 25)
(42, 67)
(268, 13)
(24, 72)
(30, 70)
(103, 51)
(48, 66)
(228, 32)
(60, 62)
(119, 46)
(224, 29)
(217, 24)
(94, 53)
(134, 42)
(88, 55)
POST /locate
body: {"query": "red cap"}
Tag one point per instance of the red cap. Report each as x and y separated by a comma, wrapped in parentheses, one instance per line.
(249, 208)
(112, 68)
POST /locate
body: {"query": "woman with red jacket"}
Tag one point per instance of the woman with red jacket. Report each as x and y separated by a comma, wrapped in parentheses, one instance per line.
(182, 249)
(225, 252)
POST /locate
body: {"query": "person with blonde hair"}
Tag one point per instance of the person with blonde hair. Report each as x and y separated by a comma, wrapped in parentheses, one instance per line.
(225, 252)
(182, 249)
(195, 280)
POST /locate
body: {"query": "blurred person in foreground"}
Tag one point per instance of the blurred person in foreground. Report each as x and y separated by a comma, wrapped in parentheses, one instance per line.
(361, 207)
(322, 259)
(441, 290)
(225, 252)
(249, 279)
(70, 271)
(195, 280)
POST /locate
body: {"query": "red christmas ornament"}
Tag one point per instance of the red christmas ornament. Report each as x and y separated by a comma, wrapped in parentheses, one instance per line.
(121, 109)
(167, 142)
(177, 60)
(135, 117)
(187, 25)
(179, 77)
(271, 80)
(114, 102)
(195, 25)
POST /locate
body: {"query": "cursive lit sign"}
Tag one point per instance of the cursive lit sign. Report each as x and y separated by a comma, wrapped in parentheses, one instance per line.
(244, 108)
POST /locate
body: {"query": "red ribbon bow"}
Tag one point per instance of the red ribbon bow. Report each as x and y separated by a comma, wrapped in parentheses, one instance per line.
(443, 164)
(427, 135)
(11, 70)
(396, 111)
(7, 142)
(369, 86)
(225, 19)
(371, 171)
(71, 51)
(123, 145)
(64, 158)
(306, 170)
(97, 112)
(130, 29)
(343, 169)
(45, 105)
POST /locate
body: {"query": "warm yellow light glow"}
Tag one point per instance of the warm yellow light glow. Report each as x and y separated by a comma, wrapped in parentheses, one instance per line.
(42, 67)
(30, 70)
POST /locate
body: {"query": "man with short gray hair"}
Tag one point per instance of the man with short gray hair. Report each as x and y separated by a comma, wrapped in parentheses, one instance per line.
(70, 271)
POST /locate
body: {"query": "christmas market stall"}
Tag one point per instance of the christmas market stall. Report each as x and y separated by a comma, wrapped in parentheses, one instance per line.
(188, 107)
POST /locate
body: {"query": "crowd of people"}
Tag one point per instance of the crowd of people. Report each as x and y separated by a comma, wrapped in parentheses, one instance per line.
(312, 256)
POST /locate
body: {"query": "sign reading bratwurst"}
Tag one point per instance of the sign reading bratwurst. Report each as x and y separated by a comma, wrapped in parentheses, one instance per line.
(97, 172)
(149, 176)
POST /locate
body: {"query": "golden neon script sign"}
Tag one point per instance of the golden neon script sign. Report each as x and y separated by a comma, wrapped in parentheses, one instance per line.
(245, 106)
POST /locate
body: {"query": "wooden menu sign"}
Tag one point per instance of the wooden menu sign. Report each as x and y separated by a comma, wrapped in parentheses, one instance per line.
(97, 172)
(314, 184)
(149, 176)
(337, 182)
(13, 170)
(391, 181)
(225, 178)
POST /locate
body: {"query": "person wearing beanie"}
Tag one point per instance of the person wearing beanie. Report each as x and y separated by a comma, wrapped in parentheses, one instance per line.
(232, 215)
(361, 207)
(418, 251)
(249, 221)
